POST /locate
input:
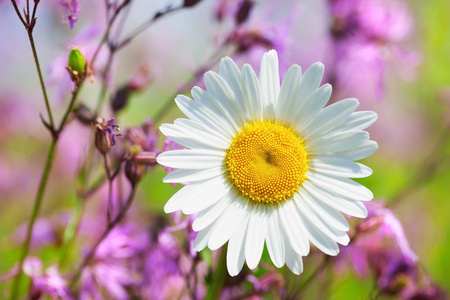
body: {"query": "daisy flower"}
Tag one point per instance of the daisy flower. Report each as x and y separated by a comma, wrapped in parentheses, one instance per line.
(268, 164)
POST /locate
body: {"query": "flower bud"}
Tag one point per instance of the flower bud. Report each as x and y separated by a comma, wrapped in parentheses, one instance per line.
(138, 82)
(244, 11)
(145, 158)
(76, 61)
(105, 135)
(190, 3)
(103, 139)
(134, 171)
(84, 114)
(120, 99)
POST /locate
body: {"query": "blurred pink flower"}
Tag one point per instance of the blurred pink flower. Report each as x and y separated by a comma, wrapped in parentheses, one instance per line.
(44, 234)
(48, 282)
(365, 36)
(112, 268)
(380, 245)
(71, 10)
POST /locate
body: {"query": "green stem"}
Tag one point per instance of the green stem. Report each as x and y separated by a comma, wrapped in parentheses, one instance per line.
(219, 278)
(69, 109)
(37, 205)
(70, 232)
(308, 280)
(41, 80)
(102, 94)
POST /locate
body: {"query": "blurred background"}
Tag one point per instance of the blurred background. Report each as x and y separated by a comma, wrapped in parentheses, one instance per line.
(393, 55)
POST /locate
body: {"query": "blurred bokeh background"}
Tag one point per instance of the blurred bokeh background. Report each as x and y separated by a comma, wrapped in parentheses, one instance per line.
(393, 55)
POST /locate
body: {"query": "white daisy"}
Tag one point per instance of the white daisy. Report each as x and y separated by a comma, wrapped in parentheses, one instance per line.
(268, 163)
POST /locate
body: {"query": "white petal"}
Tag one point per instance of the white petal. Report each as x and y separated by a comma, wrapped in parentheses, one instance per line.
(359, 152)
(320, 240)
(228, 222)
(236, 249)
(359, 120)
(224, 111)
(251, 93)
(342, 186)
(338, 166)
(330, 117)
(191, 159)
(288, 93)
(293, 228)
(198, 194)
(230, 72)
(269, 82)
(314, 105)
(206, 194)
(322, 225)
(350, 207)
(293, 260)
(205, 114)
(309, 83)
(333, 217)
(194, 138)
(201, 240)
(181, 175)
(256, 233)
(180, 198)
(223, 96)
(336, 142)
(211, 214)
(274, 239)
(195, 128)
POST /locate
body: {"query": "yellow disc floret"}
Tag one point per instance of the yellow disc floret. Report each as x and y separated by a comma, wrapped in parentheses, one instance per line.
(267, 162)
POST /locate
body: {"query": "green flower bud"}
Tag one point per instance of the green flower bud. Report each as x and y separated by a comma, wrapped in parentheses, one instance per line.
(76, 61)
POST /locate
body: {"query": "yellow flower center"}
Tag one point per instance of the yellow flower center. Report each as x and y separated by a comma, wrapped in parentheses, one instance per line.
(267, 162)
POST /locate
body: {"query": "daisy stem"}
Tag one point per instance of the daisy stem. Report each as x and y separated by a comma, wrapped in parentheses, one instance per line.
(219, 278)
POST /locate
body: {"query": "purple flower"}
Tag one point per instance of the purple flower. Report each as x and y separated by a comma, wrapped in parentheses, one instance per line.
(144, 136)
(380, 245)
(44, 233)
(105, 134)
(271, 280)
(169, 270)
(365, 36)
(48, 283)
(72, 8)
(115, 265)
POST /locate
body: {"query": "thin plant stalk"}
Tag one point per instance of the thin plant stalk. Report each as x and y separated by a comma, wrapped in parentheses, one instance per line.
(41, 80)
(34, 214)
(109, 210)
(219, 277)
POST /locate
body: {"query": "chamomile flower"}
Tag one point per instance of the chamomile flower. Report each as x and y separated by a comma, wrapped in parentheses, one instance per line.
(268, 164)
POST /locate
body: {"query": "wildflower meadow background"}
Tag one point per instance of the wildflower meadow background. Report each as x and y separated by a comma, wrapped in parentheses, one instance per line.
(80, 161)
